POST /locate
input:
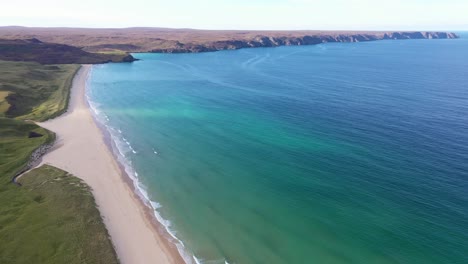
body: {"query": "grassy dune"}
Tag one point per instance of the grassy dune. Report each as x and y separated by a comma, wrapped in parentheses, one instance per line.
(52, 216)
(37, 92)
(16, 146)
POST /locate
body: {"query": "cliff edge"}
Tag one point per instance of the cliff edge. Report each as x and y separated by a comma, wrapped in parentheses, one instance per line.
(269, 41)
(165, 40)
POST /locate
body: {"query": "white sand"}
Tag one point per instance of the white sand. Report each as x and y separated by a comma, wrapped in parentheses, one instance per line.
(81, 150)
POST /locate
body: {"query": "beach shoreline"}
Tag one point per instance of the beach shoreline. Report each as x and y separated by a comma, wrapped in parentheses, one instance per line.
(83, 149)
(167, 239)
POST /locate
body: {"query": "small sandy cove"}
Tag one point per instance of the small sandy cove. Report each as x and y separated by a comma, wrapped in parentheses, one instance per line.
(81, 150)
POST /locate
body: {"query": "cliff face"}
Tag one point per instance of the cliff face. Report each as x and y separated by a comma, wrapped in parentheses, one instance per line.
(268, 41)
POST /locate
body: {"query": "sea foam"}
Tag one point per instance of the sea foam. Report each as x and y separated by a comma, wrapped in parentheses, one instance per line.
(120, 146)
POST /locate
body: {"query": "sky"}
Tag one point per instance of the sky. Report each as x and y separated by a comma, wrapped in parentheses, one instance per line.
(240, 14)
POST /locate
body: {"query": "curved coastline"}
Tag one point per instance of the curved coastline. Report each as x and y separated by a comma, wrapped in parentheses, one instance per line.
(81, 150)
(116, 143)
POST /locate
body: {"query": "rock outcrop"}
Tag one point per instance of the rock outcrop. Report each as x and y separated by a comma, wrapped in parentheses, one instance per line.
(269, 41)
(33, 162)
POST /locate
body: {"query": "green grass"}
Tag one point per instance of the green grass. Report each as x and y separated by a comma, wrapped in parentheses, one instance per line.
(112, 52)
(4, 105)
(16, 147)
(37, 92)
(51, 218)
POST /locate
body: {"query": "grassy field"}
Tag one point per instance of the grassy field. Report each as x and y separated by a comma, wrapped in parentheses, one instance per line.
(51, 217)
(16, 146)
(37, 92)
(4, 105)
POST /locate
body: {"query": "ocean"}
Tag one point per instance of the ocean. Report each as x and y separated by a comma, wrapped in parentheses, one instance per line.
(333, 153)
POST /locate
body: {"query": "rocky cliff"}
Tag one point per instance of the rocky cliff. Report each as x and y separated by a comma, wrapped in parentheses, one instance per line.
(275, 41)
(167, 40)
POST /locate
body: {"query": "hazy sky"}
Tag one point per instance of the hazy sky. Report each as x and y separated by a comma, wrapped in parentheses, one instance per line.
(240, 14)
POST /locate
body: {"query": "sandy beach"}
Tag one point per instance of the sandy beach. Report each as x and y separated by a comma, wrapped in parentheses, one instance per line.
(81, 150)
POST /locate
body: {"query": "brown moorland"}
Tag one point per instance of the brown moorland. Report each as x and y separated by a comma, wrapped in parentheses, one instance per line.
(191, 40)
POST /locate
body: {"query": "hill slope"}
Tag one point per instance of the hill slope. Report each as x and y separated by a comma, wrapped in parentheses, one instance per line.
(190, 40)
(34, 91)
(50, 53)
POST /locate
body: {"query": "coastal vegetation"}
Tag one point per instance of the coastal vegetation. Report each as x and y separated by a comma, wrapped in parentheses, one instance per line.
(18, 141)
(29, 90)
(46, 214)
(51, 218)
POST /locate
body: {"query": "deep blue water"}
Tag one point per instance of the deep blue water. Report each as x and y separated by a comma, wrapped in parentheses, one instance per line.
(334, 153)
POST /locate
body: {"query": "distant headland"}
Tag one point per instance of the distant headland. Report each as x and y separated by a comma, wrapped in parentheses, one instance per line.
(164, 40)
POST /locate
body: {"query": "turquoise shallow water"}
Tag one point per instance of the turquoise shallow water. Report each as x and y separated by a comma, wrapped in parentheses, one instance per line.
(335, 153)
